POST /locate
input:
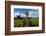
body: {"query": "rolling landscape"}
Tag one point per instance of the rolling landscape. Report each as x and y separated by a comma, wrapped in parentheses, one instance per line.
(26, 19)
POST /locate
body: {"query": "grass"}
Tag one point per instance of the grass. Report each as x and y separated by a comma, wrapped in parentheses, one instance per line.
(20, 23)
(17, 22)
(35, 21)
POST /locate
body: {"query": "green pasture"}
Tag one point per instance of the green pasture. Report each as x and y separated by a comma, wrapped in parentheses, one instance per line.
(19, 22)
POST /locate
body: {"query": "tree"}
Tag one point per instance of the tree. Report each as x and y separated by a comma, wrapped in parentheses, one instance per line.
(26, 18)
(27, 14)
(18, 17)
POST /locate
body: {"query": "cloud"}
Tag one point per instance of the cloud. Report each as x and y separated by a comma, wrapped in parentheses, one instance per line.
(33, 14)
(30, 14)
(22, 15)
(16, 14)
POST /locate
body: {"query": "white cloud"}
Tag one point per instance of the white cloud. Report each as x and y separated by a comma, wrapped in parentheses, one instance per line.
(16, 14)
(30, 14)
(22, 15)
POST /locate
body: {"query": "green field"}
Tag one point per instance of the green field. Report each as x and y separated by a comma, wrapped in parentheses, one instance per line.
(23, 22)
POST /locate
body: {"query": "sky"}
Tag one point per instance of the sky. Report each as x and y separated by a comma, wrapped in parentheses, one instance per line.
(21, 12)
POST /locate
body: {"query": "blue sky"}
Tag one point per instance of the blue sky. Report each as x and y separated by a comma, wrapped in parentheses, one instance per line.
(19, 11)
